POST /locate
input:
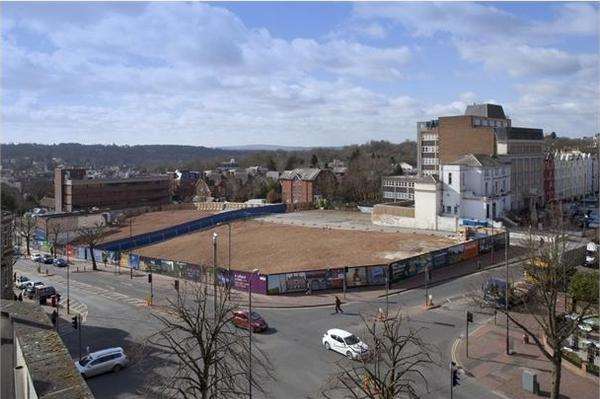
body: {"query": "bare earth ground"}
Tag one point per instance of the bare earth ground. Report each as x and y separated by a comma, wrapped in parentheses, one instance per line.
(152, 221)
(277, 247)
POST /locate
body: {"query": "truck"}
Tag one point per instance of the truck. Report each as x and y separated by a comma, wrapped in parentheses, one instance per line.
(592, 252)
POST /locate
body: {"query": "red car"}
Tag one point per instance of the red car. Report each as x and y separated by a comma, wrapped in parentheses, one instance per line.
(241, 320)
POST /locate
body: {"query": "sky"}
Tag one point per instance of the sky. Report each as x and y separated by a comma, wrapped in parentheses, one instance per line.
(298, 74)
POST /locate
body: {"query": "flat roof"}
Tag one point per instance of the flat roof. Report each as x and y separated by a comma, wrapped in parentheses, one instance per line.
(119, 180)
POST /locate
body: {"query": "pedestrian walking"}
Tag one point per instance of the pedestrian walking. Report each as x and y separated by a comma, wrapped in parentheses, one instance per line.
(14, 277)
(20, 297)
(478, 265)
(338, 305)
(54, 317)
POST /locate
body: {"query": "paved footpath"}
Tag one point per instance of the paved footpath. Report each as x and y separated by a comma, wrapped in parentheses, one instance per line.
(164, 283)
(489, 364)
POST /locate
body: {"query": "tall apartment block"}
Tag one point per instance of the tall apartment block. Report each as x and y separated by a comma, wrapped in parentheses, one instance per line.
(445, 139)
(72, 191)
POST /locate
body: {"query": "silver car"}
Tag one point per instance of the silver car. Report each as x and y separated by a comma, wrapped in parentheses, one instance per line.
(111, 359)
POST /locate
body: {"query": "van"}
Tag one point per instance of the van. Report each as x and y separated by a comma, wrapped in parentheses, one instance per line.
(41, 293)
(592, 251)
(100, 362)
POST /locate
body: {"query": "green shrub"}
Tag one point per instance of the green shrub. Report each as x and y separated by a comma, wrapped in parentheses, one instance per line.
(572, 358)
(593, 369)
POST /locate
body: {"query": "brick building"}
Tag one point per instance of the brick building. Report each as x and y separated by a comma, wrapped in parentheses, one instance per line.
(305, 186)
(72, 191)
(445, 139)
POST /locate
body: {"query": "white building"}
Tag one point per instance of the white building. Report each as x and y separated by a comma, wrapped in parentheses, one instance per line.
(476, 186)
(575, 175)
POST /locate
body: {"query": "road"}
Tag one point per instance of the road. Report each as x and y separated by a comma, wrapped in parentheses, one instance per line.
(116, 315)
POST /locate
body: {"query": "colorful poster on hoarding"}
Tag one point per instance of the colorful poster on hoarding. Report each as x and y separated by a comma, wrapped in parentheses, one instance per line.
(124, 261)
(244, 281)
(471, 250)
(134, 261)
(356, 276)
(295, 282)
(325, 279)
(276, 284)
(455, 253)
(193, 272)
(376, 275)
(399, 270)
(439, 258)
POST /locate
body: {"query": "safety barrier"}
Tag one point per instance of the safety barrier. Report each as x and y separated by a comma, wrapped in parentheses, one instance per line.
(189, 227)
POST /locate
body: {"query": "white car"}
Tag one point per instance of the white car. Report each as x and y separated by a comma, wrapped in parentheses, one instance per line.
(345, 343)
(37, 257)
(31, 283)
(111, 359)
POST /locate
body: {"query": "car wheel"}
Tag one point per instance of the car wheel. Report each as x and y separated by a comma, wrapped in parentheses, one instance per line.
(349, 355)
(327, 345)
(117, 368)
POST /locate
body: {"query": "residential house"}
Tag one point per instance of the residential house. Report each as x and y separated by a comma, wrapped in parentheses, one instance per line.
(476, 186)
(305, 186)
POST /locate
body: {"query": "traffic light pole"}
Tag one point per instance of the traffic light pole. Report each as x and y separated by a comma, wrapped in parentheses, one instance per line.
(451, 379)
(80, 328)
(467, 335)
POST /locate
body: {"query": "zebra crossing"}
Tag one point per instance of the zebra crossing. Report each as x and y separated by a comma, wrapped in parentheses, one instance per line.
(107, 293)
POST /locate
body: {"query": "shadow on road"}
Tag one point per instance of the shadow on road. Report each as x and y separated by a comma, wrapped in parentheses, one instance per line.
(139, 379)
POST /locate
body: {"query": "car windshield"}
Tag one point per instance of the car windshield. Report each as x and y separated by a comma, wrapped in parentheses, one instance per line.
(255, 316)
(85, 361)
(352, 340)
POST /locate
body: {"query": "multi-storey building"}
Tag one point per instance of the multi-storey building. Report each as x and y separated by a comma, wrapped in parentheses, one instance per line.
(575, 175)
(444, 139)
(305, 186)
(476, 186)
(398, 188)
(524, 148)
(72, 191)
(549, 193)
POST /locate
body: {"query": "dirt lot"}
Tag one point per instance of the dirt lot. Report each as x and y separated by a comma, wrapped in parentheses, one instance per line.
(274, 247)
(152, 221)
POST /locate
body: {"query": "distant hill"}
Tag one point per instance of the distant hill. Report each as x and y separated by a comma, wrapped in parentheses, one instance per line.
(98, 155)
(263, 147)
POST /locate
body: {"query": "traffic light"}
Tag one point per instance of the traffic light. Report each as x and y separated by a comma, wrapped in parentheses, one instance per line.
(75, 322)
(150, 278)
(176, 283)
(469, 317)
(455, 377)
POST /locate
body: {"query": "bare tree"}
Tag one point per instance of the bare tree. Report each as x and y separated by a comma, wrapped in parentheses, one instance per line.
(27, 229)
(91, 235)
(397, 357)
(547, 269)
(55, 229)
(207, 356)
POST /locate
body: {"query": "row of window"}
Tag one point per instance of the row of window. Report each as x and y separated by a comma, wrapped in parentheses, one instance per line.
(429, 148)
(489, 122)
(398, 183)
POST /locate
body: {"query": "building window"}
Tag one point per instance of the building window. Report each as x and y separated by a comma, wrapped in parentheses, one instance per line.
(450, 178)
(456, 210)
(449, 209)
(486, 188)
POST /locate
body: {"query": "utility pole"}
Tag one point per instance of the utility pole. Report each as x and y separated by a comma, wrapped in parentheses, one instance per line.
(68, 280)
(151, 288)
(427, 278)
(250, 336)
(387, 291)
(506, 239)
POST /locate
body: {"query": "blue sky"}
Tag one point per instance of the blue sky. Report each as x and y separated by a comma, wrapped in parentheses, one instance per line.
(217, 74)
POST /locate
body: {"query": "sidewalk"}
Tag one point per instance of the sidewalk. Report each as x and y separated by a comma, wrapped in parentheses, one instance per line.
(490, 365)
(322, 298)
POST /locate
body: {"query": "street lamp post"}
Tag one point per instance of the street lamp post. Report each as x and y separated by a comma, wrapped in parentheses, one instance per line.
(215, 237)
(506, 238)
(254, 272)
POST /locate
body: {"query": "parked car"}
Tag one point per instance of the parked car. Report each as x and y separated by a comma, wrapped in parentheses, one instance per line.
(36, 257)
(345, 343)
(42, 293)
(60, 262)
(111, 359)
(21, 281)
(48, 259)
(255, 321)
(30, 284)
(494, 292)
